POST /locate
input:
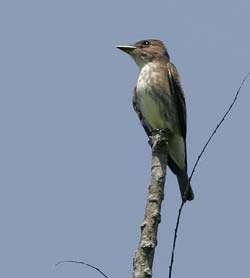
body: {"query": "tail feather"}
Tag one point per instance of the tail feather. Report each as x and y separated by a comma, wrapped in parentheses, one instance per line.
(184, 185)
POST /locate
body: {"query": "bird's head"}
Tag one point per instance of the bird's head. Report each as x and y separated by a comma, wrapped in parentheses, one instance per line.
(145, 51)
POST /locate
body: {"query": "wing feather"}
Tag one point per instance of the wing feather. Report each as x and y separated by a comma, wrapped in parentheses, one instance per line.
(177, 90)
(175, 85)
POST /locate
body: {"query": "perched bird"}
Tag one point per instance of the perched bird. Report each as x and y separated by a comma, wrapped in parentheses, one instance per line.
(160, 104)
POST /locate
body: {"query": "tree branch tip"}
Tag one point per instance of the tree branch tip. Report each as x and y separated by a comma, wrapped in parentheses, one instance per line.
(83, 263)
(70, 261)
(60, 262)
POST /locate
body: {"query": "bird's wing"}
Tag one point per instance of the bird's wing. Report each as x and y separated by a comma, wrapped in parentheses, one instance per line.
(176, 89)
(138, 112)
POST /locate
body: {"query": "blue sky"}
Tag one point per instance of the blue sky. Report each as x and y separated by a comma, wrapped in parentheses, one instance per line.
(74, 159)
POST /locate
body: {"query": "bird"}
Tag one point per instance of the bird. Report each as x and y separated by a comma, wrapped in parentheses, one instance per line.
(159, 102)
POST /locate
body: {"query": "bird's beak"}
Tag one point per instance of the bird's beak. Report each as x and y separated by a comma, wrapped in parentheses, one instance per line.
(126, 48)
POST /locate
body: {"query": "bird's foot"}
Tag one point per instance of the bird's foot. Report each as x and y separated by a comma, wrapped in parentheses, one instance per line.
(158, 138)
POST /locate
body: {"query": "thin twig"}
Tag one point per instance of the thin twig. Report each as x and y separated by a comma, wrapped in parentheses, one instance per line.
(219, 124)
(89, 265)
(195, 165)
(175, 238)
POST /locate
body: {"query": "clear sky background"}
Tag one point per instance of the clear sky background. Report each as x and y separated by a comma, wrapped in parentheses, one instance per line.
(75, 162)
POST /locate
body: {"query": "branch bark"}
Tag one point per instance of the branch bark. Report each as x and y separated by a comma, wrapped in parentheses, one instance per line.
(144, 255)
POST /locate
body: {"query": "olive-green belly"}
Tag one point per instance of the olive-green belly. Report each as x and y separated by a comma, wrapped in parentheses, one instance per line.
(153, 110)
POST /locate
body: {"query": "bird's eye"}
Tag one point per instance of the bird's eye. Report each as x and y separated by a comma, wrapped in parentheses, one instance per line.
(146, 43)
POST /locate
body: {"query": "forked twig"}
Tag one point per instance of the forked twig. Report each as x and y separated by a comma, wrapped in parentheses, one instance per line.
(195, 165)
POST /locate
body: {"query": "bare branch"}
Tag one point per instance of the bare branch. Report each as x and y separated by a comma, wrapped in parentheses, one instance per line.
(195, 165)
(83, 263)
(144, 255)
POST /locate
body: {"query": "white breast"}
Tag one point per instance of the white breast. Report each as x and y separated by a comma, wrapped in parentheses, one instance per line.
(147, 73)
(149, 107)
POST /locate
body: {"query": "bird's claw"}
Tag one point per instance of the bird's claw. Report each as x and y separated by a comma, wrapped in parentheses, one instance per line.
(160, 140)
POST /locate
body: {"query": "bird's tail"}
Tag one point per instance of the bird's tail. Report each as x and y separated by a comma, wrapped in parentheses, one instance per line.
(184, 184)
